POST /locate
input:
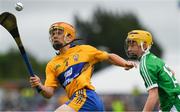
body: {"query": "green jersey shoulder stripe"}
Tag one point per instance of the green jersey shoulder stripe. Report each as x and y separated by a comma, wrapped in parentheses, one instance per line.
(145, 74)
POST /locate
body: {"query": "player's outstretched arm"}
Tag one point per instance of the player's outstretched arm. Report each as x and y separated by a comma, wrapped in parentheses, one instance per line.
(117, 60)
(47, 92)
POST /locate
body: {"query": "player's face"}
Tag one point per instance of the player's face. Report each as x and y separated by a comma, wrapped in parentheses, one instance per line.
(57, 38)
(134, 51)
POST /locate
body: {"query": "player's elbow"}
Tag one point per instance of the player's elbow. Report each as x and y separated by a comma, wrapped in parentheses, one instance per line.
(48, 92)
(112, 58)
(47, 95)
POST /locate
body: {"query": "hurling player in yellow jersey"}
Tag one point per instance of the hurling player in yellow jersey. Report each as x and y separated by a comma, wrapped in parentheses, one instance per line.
(72, 69)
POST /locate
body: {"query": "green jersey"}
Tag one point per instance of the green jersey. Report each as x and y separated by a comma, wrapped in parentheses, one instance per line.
(156, 74)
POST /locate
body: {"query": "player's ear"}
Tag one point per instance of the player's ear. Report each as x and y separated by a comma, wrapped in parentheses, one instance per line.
(68, 38)
(145, 46)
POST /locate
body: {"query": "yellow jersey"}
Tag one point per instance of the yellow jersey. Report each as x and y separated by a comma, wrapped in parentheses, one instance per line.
(73, 69)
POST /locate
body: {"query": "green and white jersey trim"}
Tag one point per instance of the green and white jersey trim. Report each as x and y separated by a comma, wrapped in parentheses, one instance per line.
(152, 86)
(145, 74)
(179, 96)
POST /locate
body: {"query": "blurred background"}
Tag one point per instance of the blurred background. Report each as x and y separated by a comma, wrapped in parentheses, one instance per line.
(101, 23)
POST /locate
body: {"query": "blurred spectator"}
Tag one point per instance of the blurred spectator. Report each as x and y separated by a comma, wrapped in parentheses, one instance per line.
(118, 106)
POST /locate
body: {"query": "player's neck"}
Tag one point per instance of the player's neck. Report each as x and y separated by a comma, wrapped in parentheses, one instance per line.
(64, 49)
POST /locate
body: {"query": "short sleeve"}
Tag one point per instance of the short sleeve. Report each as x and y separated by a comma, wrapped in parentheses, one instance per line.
(50, 77)
(95, 54)
(149, 74)
(100, 56)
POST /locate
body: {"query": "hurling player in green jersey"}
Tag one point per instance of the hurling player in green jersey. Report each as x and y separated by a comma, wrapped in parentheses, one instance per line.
(158, 78)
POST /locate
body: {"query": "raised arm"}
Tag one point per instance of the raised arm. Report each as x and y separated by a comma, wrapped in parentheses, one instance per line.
(117, 60)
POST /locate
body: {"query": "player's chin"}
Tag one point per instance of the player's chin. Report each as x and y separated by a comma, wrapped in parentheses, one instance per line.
(132, 56)
(57, 45)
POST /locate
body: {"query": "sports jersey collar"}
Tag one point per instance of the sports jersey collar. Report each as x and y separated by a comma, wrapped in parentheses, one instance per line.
(71, 46)
(146, 53)
(71, 49)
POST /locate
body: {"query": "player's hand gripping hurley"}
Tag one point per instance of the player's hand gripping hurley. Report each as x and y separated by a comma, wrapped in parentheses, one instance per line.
(8, 21)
